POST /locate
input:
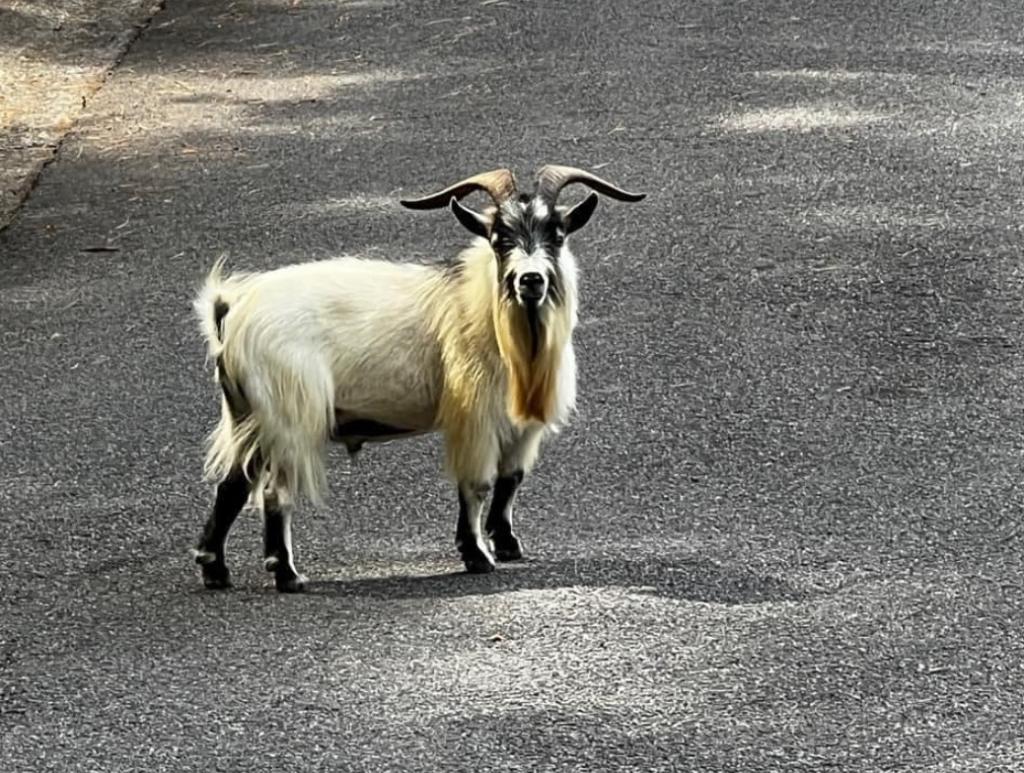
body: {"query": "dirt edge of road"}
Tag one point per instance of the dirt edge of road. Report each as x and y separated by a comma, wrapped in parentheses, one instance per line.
(54, 56)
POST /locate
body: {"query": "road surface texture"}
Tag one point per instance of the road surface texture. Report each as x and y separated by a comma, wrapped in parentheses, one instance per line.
(784, 530)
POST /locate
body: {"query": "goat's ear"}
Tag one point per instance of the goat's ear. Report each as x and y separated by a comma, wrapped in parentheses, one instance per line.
(578, 216)
(472, 221)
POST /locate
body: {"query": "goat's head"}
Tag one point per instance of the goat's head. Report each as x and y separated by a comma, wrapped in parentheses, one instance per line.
(526, 231)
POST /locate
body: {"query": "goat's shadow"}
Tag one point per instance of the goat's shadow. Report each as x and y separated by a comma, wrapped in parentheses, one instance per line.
(691, 579)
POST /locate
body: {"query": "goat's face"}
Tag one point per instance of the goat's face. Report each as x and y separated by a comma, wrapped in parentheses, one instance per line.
(528, 236)
(527, 232)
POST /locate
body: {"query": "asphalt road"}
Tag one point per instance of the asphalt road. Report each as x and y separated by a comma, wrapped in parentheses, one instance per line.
(784, 531)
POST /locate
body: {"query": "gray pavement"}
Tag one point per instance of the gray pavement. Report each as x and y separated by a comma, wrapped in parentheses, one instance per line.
(784, 530)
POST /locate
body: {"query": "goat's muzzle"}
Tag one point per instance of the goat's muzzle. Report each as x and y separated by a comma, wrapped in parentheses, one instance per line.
(531, 287)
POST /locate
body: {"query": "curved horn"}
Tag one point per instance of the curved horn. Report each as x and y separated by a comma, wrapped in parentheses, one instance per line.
(551, 179)
(500, 184)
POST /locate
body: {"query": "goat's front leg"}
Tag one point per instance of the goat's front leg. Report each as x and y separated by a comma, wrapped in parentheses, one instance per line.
(507, 546)
(516, 460)
(279, 557)
(468, 537)
(472, 455)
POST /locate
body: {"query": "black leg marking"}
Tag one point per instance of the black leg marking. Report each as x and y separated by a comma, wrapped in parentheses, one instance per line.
(277, 548)
(499, 518)
(467, 531)
(232, 494)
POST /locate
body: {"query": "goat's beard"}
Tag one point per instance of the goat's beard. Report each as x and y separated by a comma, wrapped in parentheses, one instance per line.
(531, 339)
(527, 316)
(533, 322)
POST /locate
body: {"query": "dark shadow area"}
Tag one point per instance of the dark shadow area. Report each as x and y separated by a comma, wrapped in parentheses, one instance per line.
(722, 732)
(309, 37)
(664, 737)
(694, 580)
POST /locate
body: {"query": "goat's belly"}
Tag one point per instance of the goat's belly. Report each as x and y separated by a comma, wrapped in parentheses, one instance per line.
(391, 398)
(355, 432)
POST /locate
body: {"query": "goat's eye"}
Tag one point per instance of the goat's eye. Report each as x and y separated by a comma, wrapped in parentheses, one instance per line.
(559, 239)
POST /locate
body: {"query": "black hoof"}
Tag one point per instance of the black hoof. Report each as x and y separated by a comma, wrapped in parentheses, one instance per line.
(508, 548)
(216, 576)
(290, 583)
(478, 562)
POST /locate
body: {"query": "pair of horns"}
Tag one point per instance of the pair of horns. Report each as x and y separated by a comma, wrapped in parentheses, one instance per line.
(500, 185)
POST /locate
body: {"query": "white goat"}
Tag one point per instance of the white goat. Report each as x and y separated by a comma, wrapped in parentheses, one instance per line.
(362, 350)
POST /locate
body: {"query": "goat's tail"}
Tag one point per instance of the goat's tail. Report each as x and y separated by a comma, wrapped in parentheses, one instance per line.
(277, 403)
(211, 305)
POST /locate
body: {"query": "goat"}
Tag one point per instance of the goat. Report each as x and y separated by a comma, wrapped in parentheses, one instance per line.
(356, 351)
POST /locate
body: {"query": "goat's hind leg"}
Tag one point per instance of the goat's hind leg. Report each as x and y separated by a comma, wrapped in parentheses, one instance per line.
(279, 557)
(232, 494)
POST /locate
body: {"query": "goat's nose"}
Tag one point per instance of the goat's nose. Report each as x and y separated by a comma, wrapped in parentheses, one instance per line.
(531, 285)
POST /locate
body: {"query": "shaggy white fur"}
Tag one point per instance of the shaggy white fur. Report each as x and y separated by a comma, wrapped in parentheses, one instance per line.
(422, 348)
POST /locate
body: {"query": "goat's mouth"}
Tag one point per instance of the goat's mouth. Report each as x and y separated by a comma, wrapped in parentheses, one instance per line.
(531, 301)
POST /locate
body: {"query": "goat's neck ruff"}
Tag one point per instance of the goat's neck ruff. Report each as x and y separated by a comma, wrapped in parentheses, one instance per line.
(495, 331)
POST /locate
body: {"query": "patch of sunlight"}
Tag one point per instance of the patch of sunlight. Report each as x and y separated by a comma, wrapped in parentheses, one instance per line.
(806, 118)
(969, 47)
(997, 757)
(334, 204)
(37, 10)
(1003, 111)
(873, 215)
(254, 103)
(272, 87)
(837, 76)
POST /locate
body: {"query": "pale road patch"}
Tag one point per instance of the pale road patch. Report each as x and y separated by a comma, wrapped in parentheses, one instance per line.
(356, 203)
(242, 102)
(838, 76)
(877, 216)
(243, 87)
(808, 118)
(648, 661)
(54, 55)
